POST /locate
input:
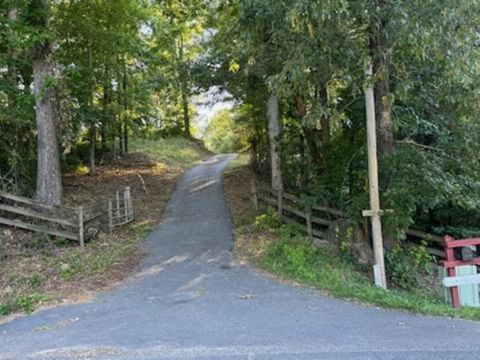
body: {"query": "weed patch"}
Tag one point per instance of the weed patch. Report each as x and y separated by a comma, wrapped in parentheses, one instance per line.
(295, 259)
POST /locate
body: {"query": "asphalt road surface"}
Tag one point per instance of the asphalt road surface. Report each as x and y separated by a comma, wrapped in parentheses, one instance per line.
(192, 300)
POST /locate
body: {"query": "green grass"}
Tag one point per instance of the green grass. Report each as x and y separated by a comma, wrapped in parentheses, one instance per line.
(297, 260)
(25, 303)
(283, 250)
(240, 161)
(95, 266)
(174, 152)
(96, 263)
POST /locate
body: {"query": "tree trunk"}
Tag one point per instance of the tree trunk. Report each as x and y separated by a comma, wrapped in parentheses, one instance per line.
(182, 78)
(306, 151)
(106, 118)
(103, 140)
(383, 106)
(120, 136)
(183, 90)
(325, 118)
(92, 136)
(93, 130)
(381, 69)
(12, 103)
(256, 144)
(125, 138)
(186, 114)
(49, 178)
(12, 69)
(274, 133)
(125, 108)
(119, 118)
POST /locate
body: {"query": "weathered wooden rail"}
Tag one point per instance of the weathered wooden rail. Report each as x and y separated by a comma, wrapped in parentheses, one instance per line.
(312, 219)
(315, 219)
(27, 214)
(62, 221)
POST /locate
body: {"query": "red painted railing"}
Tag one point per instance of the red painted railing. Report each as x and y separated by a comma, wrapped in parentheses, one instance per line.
(451, 262)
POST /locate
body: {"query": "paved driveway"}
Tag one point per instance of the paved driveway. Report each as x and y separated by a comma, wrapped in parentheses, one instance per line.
(192, 300)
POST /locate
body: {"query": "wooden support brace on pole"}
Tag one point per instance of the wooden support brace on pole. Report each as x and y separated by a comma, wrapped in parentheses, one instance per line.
(375, 212)
(81, 232)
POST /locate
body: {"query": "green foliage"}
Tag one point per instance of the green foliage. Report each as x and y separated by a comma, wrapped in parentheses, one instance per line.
(421, 256)
(38, 241)
(5, 309)
(35, 280)
(172, 152)
(297, 260)
(404, 265)
(267, 221)
(25, 303)
(72, 266)
(226, 133)
(295, 256)
(241, 161)
(311, 55)
(118, 73)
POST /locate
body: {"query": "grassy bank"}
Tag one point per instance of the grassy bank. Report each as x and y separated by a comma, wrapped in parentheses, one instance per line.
(38, 269)
(282, 250)
(174, 153)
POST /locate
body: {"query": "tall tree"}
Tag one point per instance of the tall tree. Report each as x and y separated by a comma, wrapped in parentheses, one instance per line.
(274, 134)
(380, 52)
(179, 27)
(49, 177)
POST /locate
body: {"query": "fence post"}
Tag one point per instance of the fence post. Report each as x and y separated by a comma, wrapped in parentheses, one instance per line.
(254, 194)
(308, 219)
(451, 271)
(110, 216)
(126, 203)
(118, 204)
(129, 204)
(80, 226)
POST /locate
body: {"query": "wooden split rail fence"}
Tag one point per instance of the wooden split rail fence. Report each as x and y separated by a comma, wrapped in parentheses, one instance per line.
(314, 220)
(62, 221)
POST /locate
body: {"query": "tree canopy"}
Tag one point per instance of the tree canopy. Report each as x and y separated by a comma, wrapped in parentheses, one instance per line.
(312, 55)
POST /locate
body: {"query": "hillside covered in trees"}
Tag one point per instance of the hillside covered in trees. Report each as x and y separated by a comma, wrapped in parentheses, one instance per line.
(79, 78)
(83, 77)
(299, 66)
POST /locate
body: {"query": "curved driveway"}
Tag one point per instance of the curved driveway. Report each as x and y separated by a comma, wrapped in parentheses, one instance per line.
(192, 300)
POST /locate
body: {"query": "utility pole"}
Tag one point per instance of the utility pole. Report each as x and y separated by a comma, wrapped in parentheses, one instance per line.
(375, 212)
